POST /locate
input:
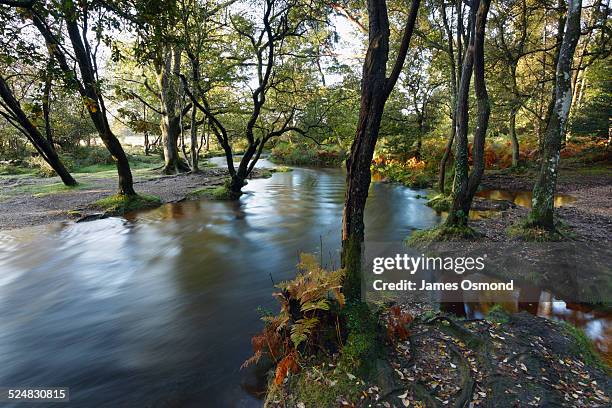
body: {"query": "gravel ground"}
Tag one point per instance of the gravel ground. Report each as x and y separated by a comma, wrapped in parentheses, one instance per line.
(20, 206)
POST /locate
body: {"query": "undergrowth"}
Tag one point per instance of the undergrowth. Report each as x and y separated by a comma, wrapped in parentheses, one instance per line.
(442, 233)
(440, 203)
(583, 348)
(526, 231)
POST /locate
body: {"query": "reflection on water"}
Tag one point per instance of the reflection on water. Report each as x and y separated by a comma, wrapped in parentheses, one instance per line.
(521, 198)
(158, 309)
(597, 325)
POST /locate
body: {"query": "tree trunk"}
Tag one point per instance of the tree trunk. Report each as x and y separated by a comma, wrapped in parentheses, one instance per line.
(514, 139)
(194, 142)
(375, 90)
(542, 211)
(46, 103)
(454, 85)
(166, 66)
(42, 145)
(467, 183)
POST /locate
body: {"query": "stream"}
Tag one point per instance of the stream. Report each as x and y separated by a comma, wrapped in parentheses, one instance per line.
(158, 308)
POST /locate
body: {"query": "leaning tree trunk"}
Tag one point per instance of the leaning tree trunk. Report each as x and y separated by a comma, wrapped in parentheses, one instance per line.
(40, 143)
(542, 211)
(467, 183)
(88, 89)
(375, 90)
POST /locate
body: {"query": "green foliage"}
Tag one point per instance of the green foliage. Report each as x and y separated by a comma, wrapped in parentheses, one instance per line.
(281, 169)
(440, 203)
(582, 347)
(305, 155)
(593, 116)
(497, 314)
(408, 174)
(121, 204)
(10, 169)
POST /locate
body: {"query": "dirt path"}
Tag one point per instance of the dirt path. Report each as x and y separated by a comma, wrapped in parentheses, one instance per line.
(27, 201)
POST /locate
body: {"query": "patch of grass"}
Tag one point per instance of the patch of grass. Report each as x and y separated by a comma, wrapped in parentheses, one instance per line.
(498, 314)
(583, 347)
(211, 193)
(440, 203)
(525, 231)
(120, 204)
(95, 168)
(264, 173)
(41, 190)
(442, 233)
(10, 170)
(281, 169)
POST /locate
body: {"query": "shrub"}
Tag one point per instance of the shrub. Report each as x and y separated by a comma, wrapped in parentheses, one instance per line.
(304, 155)
(309, 318)
(411, 173)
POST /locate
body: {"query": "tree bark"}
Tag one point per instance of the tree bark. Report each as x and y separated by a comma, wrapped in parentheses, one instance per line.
(41, 144)
(514, 139)
(467, 183)
(167, 68)
(375, 90)
(454, 85)
(542, 211)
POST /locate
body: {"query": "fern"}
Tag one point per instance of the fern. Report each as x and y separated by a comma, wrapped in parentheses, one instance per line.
(309, 312)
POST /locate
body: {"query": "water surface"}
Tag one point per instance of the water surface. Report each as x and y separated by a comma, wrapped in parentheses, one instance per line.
(158, 309)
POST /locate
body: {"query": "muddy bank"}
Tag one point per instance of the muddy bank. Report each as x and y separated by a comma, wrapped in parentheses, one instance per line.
(506, 360)
(589, 214)
(27, 201)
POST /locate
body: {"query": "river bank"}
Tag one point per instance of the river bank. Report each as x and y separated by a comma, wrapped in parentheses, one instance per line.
(26, 200)
(588, 212)
(504, 360)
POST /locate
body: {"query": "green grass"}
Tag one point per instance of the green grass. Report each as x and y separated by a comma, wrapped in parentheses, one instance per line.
(498, 314)
(524, 231)
(120, 204)
(41, 190)
(281, 169)
(583, 347)
(442, 233)
(211, 193)
(440, 203)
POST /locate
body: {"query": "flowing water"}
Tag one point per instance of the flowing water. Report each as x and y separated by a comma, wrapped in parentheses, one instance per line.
(157, 309)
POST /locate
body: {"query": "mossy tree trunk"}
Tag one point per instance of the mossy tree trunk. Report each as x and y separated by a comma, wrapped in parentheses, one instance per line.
(542, 211)
(466, 183)
(167, 67)
(17, 117)
(375, 90)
